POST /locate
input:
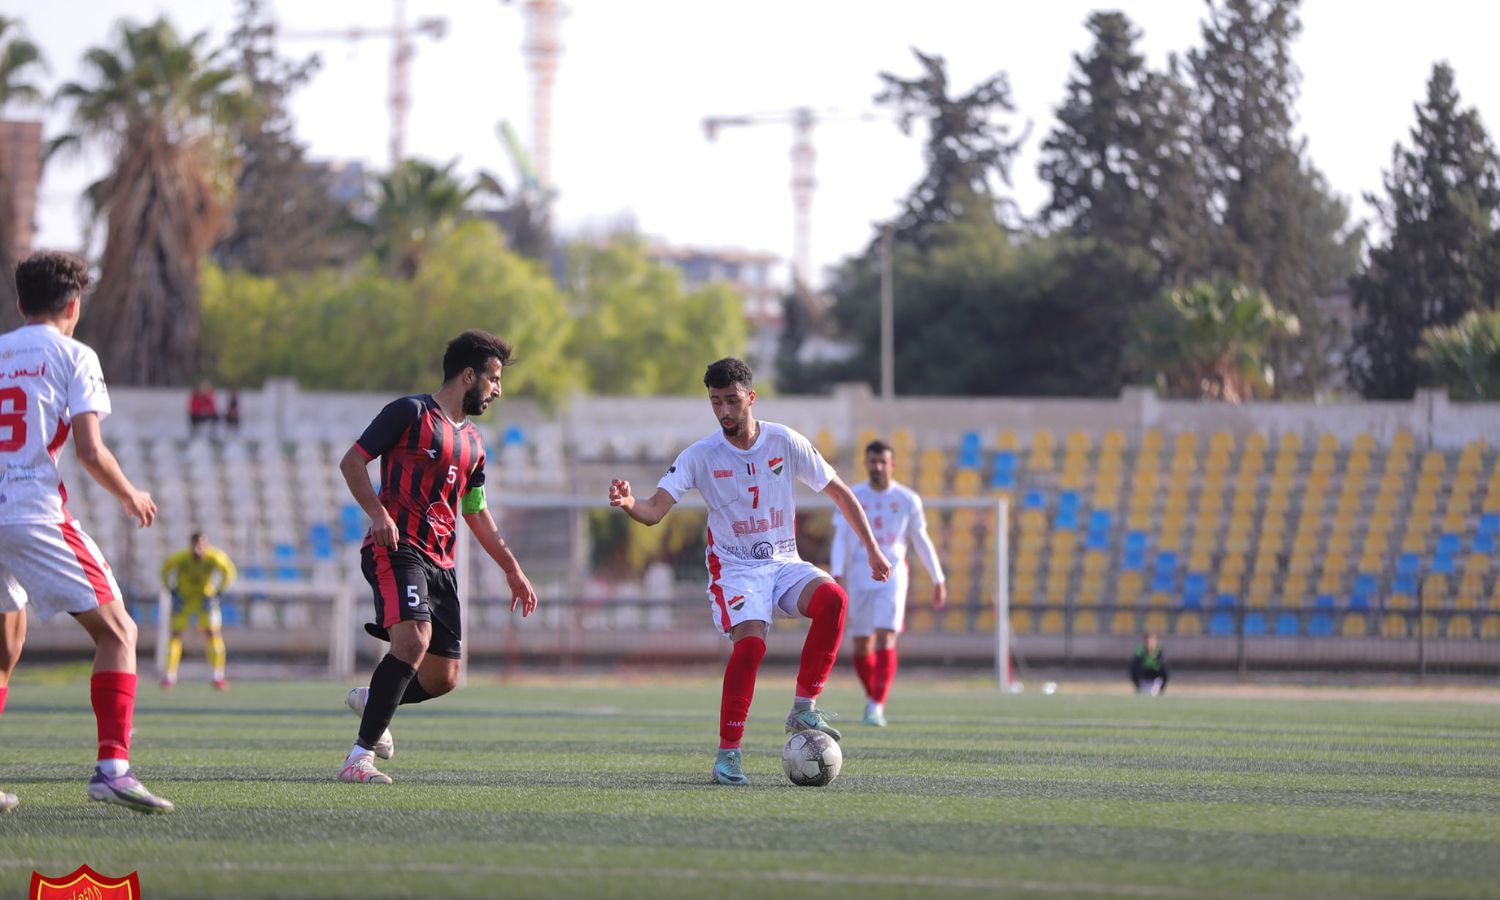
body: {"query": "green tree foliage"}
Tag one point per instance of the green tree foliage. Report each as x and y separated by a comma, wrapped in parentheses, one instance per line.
(1208, 341)
(1280, 226)
(364, 330)
(158, 103)
(966, 150)
(978, 312)
(416, 206)
(1120, 161)
(1464, 357)
(20, 62)
(636, 331)
(284, 217)
(1441, 259)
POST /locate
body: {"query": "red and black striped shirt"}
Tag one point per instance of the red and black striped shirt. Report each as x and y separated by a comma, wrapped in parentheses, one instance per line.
(426, 465)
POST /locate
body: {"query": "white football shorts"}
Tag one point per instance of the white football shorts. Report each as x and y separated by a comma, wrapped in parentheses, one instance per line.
(739, 593)
(55, 567)
(880, 607)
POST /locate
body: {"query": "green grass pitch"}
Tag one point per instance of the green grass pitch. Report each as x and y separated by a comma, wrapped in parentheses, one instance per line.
(556, 788)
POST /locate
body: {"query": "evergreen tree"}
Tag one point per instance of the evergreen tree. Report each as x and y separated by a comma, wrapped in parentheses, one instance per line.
(966, 150)
(1441, 259)
(1281, 229)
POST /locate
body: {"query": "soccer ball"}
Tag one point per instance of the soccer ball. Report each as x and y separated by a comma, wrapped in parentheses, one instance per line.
(811, 758)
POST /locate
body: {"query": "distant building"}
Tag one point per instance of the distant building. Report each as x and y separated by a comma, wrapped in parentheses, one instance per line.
(21, 172)
(753, 275)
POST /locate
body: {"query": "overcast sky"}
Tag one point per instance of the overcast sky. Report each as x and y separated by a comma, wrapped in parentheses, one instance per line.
(637, 77)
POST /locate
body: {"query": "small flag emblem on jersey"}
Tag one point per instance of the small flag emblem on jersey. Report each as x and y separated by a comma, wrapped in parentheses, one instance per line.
(775, 464)
(737, 602)
(84, 882)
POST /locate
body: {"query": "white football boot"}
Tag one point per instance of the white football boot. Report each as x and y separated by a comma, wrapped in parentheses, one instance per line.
(384, 748)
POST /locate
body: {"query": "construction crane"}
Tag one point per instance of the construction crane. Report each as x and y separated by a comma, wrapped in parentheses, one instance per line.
(403, 48)
(804, 158)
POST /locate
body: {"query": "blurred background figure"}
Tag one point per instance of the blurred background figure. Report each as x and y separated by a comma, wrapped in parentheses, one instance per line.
(203, 408)
(190, 576)
(1148, 668)
(232, 412)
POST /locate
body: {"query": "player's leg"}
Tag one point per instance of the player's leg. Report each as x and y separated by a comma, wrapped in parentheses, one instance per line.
(12, 639)
(213, 634)
(112, 692)
(825, 603)
(438, 672)
(182, 616)
(882, 674)
(861, 631)
(734, 704)
(401, 606)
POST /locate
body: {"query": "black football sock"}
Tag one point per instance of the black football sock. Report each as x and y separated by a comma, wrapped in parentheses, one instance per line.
(415, 693)
(386, 687)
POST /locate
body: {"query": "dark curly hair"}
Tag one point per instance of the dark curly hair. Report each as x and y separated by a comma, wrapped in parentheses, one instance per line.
(472, 350)
(727, 373)
(46, 280)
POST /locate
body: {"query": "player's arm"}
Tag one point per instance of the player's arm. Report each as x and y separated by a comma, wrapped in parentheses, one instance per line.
(854, 514)
(355, 469)
(647, 512)
(94, 456)
(488, 534)
(921, 541)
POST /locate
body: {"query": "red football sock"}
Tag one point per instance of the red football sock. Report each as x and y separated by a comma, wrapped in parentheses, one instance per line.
(3, 689)
(826, 609)
(884, 674)
(113, 694)
(739, 690)
(864, 667)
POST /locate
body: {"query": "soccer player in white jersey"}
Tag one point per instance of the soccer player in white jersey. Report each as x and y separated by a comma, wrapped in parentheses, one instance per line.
(746, 473)
(51, 385)
(877, 609)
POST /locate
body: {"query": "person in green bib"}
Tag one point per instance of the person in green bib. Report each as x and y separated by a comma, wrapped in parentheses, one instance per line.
(1148, 668)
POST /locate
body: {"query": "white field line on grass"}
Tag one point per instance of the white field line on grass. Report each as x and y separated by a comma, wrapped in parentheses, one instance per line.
(827, 878)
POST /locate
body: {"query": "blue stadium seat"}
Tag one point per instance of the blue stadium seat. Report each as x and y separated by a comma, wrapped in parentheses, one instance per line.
(352, 523)
(1194, 587)
(1226, 601)
(1287, 625)
(1135, 540)
(253, 572)
(1404, 584)
(1320, 625)
(1359, 602)
(320, 541)
(1003, 479)
(1443, 562)
(1366, 584)
(1162, 581)
(286, 563)
(1489, 524)
(1448, 544)
(1408, 564)
(1483, 543)
(1221, 623)
(1067, 519)
(1096, 541)
(968, 450)
(1192, 602)
(1034, 500)
(1255, 623)
(1133, 560)
(1166, 561)
(144, 613)
(513, 436)
(1324, 601)
(229, 613)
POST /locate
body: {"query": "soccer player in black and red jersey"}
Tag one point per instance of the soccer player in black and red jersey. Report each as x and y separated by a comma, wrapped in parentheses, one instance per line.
(431, 465)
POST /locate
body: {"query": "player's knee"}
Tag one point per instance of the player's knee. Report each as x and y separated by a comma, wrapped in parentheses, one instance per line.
(442, 682)
(828, 599)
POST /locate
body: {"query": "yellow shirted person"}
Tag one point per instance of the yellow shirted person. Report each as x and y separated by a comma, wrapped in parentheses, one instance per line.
(189, 575)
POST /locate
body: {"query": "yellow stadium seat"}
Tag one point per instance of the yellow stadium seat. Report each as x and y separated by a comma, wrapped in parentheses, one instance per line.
(1228, 583)
(1328, 443)
(956, 620)
(1454, 521)
(1152, 440)
(1155, 622)
(1086, 622)
(1161, 598)
(1262, 584)
(1370, 563)
(1433, 463)
(984, 622)
(1330, 582)
(1052, 622)
(1188, 623)
(1400, 601)
(1490, 630)
(920, 621)
(966, 483)
(1434, 589)
(1402, 440)
(1364, 443)
(1123, 622)
(1354, 625)
(1393, 625)
(1112, 441)
(1430, 627)
(1460, 627)
(1290, 441)
(1128, 588)
(1095, 562)
(1256, 442)
(1007, 440)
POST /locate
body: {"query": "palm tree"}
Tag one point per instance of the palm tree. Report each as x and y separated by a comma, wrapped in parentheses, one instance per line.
(157, 103)
(1207, 341)
(1464, 357)
(416, 204)
(19, 60)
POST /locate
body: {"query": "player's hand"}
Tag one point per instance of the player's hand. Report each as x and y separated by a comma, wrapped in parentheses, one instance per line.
(880, 567)
(939, 596)
(522, 594)
(619, 494)
(383, 530)
(139, 506)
